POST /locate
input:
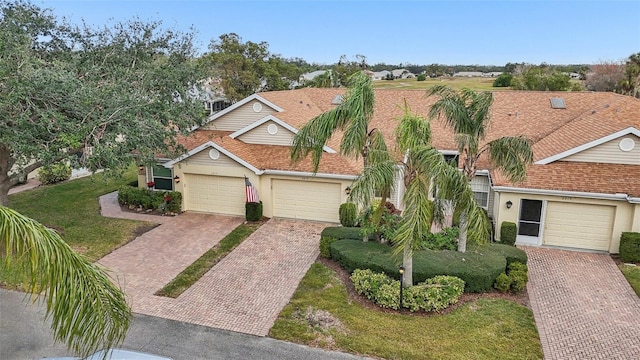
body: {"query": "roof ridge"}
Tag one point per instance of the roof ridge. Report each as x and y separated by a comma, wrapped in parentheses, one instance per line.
(572, 119)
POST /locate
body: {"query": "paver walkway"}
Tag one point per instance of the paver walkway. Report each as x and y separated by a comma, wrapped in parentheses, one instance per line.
(244, 292)
(583, 306)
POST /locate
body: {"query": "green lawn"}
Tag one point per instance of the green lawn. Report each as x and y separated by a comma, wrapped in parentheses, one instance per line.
(477, 83)
(72, 208)
(632, 273)
(483, 329)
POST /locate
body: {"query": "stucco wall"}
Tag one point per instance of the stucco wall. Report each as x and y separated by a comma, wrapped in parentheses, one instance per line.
(625, 216)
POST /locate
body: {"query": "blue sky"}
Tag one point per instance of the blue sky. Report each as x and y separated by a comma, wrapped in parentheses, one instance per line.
(393, 32)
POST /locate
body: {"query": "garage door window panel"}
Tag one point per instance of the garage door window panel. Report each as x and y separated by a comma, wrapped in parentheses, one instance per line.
(530, 217)
(162, 178)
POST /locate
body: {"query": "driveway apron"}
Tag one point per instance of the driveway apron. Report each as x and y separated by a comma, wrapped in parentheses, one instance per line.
(583, 306)
(244, 292)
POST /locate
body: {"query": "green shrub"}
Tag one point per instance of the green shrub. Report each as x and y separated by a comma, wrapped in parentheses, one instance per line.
(421, 77)
(348, 214)
(434, 294)
(174, 203)
(518, 273)
(51, 174)
(341, 232)
(511, 253)
(447, 239)
(367, 282)
(325, 245)
(503, 283)
(630, 247)
(504, 80)
(163, 201)
(386, 227)
(508, 232)
(477, 268)
(253, 211)
(518, 282)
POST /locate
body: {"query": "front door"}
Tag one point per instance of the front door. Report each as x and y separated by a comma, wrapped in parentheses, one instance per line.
(529, 222)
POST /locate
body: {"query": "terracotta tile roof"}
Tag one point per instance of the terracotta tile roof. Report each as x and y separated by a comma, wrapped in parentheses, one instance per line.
(588, 116)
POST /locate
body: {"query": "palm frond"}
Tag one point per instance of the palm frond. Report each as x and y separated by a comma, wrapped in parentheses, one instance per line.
(412, 131)
(417, 216)
(511, 155)
(375, 177)
(352, 115)
(88, 312)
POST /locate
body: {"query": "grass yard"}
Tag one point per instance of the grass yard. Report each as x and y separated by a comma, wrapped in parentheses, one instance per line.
(483, 329)
(475, 83)
(632, 273)
(195, 271)
(72, 209)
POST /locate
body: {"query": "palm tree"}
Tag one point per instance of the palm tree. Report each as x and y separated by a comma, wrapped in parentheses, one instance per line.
(467, 114)
(352, 116)
(88, 312)
(422, 168)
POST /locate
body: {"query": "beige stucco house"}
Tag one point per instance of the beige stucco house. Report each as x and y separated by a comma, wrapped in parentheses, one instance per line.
(582, 191)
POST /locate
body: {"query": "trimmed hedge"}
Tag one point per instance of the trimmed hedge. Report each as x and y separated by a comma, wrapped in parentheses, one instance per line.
(508, 232)
(342, 232)
(348, 214)
(253, 211)
(511, 253)
(630, 247)
(478, 269)
(331, 234)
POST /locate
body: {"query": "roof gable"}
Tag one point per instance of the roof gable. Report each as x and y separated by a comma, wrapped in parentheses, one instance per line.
(211, 144)
(589, 145)
(241, 103)
(267, 119)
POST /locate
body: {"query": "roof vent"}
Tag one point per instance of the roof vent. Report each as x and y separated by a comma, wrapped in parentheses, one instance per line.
(337, 100)
(558, 103)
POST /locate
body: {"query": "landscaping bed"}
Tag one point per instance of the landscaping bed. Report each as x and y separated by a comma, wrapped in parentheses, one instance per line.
(325, 312)
(478, 267)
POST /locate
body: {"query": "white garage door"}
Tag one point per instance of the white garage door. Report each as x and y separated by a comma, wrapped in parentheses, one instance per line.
(214, 194)
(578, 225)
(306, 200)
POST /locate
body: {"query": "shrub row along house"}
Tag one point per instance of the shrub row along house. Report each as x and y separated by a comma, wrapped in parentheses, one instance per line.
(582, 191)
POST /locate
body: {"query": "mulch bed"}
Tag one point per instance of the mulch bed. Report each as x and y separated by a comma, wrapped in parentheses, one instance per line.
(521, 298)
(616, 259)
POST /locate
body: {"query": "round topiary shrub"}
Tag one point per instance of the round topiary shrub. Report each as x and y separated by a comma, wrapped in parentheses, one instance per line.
(508, 232)
(348, 214)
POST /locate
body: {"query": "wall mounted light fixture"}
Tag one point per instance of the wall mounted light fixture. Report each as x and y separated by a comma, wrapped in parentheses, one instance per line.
(509, 204)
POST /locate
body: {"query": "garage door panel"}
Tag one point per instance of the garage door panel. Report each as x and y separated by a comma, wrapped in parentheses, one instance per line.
(306, 200)
(582, 226)
(215, 194)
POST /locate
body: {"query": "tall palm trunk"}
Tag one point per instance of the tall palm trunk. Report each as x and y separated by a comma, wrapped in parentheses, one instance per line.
(462, 235)
(407, 262)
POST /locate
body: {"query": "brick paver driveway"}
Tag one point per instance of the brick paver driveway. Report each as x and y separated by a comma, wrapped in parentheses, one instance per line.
(244, 292)
(583, 306)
